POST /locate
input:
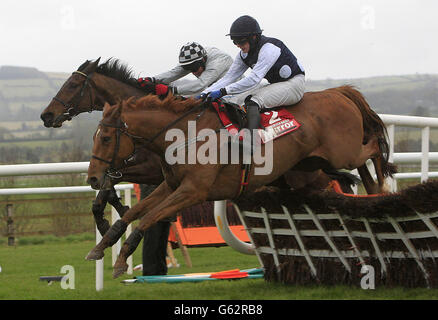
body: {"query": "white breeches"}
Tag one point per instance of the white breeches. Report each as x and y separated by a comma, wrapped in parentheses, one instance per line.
(273, 95)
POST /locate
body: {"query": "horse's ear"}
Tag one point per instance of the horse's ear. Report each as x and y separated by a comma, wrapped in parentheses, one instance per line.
(84, 65)
(131, 101)
(117, 112)
(106, 108)
(94, 65)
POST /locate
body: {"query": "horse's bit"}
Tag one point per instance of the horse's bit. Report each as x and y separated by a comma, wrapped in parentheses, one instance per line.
(72, 110)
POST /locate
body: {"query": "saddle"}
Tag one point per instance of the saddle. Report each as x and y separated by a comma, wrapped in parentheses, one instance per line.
(230, 114)
(275, 122)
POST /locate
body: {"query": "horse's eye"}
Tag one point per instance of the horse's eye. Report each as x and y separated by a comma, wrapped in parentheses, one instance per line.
(106, 139)
(74, 85)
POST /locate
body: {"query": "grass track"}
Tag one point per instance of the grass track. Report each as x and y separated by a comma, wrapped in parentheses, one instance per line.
(23, 265)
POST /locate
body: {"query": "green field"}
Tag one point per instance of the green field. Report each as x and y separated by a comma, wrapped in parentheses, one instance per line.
(23, 265)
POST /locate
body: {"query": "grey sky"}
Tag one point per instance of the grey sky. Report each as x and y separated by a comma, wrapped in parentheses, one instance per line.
(332, 38)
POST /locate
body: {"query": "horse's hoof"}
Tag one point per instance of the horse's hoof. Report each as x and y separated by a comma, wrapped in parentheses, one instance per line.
(119, 270)
(95, 254)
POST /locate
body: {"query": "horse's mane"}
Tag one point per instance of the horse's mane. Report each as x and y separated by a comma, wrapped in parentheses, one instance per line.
(115, 69)
(171, 103)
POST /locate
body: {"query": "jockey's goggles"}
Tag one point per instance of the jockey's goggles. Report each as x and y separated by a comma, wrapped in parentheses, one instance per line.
(193, 67)
(240, 41)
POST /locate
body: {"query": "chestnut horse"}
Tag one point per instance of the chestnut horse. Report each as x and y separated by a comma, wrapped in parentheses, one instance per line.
(338, 131)
(93, 84)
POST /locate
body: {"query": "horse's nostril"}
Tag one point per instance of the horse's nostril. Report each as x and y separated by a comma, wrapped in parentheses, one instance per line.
(47, 117)
(93, 182)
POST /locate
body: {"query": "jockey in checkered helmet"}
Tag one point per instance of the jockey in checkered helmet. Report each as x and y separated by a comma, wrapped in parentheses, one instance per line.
(191, 52)
(207, 64)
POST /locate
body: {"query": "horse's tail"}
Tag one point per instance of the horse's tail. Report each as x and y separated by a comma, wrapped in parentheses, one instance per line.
(373, 126)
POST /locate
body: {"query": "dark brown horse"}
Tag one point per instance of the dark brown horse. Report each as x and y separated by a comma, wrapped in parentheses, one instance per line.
(86, 90)
(93, 84)
(338, 130)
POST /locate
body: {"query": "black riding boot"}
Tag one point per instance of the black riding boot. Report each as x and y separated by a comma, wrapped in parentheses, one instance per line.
(155, 249)
(154, 242)
(253, 117)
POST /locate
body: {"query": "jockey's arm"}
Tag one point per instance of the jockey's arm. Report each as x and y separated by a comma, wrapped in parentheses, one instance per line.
(236, 70)
(169, 76)
(268, 55)
(214, 70)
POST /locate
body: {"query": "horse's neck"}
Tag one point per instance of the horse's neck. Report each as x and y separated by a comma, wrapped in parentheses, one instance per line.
(149, 124)
(112, 90)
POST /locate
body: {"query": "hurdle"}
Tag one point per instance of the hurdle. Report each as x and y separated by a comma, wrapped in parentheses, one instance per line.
(329, 239)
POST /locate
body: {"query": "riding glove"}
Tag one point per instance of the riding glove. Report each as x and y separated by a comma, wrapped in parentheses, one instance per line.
(217, 94)
(145, 79)
(202, 96)
(149, 85)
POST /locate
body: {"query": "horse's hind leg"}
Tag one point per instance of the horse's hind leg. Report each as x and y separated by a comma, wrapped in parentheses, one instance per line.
(369, 184)
(368, 151)
(378, 166)
(372, 151)
(119, 227)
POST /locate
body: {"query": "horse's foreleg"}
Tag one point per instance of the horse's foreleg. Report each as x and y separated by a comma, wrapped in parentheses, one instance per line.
(119, 227)
(114, 200)
(98, 208)
(182, 198)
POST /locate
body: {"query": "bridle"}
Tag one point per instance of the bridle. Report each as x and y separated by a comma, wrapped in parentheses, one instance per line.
(122, 128)
(71, 108)
(111, 171)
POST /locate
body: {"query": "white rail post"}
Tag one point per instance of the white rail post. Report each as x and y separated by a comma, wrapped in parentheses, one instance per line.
(128, 229)
(425, 134)
(99, 263)
(115, 250)
(391, 138)
(354, 187)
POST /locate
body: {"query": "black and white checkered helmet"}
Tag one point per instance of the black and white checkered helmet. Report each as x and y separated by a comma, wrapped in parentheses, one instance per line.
(191, 52)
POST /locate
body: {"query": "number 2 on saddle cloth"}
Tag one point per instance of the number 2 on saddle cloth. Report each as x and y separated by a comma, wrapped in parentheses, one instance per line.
(276, 123)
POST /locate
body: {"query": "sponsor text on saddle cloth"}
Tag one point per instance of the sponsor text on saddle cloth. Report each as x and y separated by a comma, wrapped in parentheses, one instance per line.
(276, 123)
